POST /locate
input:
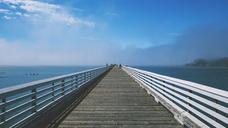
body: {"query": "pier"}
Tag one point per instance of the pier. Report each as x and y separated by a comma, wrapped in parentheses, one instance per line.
(113, 97)
(118, 101)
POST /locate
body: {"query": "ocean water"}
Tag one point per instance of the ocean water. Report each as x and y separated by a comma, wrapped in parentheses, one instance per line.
(214, 77)
(14, 75)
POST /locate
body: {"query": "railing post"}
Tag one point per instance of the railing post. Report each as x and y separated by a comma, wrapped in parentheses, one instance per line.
(84, 77)
(216, 110)
(34, 100)
(53, 91)
(90, 76)
(62, 86)
(79, 80)
(3, 110)
(72, 83)
(189, 99)
(76, 81)
(93, 74)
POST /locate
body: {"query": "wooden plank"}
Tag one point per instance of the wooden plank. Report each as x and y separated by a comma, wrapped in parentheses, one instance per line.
(118, 101)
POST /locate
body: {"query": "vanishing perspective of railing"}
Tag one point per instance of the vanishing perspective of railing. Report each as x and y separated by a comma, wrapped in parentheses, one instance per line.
(192, 104)
(19, 104)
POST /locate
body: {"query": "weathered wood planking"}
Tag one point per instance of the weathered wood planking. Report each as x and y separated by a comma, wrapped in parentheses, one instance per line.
(118, 101)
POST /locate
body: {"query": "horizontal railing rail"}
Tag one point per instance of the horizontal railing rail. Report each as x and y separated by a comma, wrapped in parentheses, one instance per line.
(19, 104)
(193, 104)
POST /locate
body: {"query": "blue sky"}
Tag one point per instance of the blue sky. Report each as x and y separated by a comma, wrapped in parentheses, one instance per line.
(94, 32)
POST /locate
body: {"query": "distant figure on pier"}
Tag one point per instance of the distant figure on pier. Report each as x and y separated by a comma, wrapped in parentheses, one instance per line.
(120, 65)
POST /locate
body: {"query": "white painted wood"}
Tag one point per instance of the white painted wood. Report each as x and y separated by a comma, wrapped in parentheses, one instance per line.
(50, 90)
(163, 86)
(218, 94)
(183, 112)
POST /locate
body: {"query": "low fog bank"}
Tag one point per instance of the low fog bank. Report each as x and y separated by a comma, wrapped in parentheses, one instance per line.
(206, 42)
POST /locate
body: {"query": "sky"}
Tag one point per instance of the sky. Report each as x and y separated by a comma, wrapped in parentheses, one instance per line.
(96, 32)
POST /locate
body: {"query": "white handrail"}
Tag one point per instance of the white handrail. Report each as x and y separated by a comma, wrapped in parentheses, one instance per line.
(204, 106)
(218, 94)
(19, 104)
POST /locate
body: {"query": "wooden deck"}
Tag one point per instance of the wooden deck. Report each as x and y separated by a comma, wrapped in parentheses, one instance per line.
(118, 101)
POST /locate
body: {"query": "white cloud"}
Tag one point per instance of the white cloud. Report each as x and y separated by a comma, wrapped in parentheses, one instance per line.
(13, 6)
(82, 53)
(51, 12)
(4, 11)
(18, 13)
(7, 17)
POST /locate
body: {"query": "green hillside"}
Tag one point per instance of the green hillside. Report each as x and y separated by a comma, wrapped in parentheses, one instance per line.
(221, 62)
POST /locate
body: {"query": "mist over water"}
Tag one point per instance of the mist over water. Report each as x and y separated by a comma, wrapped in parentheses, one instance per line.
(207, 42)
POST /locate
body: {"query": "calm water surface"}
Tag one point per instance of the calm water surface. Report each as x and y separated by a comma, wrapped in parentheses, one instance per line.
(214, 77)
(14, 75)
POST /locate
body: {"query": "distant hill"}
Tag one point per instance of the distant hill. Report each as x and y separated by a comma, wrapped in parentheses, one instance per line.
(221, 62)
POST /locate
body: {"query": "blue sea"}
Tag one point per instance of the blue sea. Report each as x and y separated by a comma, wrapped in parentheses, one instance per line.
(14, 75)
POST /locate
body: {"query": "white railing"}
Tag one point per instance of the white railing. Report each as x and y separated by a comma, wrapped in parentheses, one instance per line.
(18, 104)
(193, 104)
